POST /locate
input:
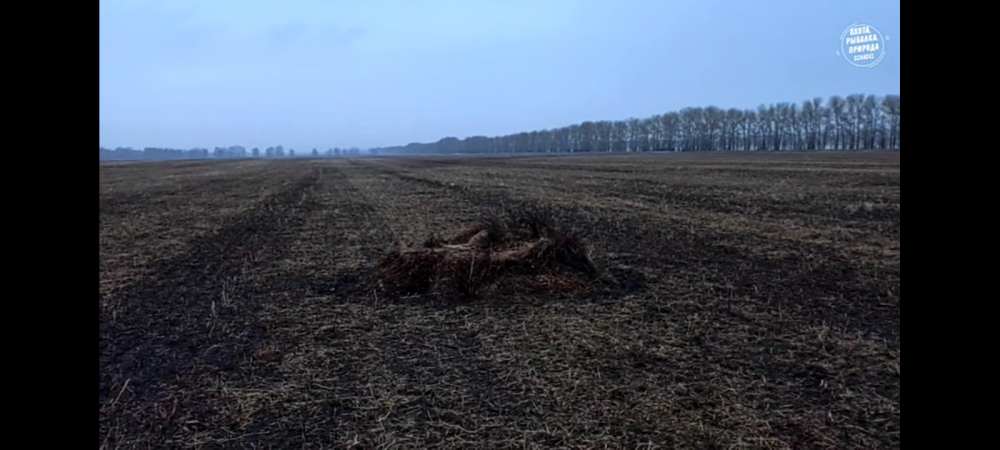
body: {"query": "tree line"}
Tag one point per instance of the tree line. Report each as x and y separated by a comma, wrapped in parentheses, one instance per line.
(231, 152)
(857, 121)
(854, 122)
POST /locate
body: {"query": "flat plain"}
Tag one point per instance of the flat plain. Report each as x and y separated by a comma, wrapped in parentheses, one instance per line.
(757, 305)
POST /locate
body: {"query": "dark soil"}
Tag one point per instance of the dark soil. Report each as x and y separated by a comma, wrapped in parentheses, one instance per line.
(620, 301)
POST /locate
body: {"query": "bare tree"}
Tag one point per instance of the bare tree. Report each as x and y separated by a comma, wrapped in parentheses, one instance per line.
(890, 107)
(838, 107)
(855, 114)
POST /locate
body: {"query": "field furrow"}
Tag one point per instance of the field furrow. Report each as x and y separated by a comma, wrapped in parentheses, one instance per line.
(157, 217)
(170, 337)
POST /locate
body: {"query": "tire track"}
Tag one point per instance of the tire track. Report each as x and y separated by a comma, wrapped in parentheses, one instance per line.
(412, 215)
(146, 227)
(159, 185)
(190, 324)
(312, 373)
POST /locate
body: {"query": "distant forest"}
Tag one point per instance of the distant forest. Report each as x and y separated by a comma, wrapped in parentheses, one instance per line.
(853, 122)
(232, 152)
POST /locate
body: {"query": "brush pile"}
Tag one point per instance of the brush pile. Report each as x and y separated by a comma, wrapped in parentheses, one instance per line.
(519, 254)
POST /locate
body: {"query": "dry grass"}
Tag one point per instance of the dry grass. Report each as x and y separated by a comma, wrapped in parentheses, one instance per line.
(683, 301)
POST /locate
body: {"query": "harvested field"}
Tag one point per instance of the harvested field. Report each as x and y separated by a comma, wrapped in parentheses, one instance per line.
(672, 301)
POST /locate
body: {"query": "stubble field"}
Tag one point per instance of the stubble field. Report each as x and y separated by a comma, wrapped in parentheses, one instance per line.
(756, 305)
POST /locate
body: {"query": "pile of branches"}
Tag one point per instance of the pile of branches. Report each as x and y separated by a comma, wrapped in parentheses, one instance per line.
(520, 253)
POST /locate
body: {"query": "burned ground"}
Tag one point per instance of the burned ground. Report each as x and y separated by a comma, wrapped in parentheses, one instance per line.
(755, 304)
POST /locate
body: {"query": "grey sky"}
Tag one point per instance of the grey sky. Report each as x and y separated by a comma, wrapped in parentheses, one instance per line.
(311, 73)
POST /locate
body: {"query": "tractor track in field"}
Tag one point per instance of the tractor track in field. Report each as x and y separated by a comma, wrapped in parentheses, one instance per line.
(175, 331)
(116, 203)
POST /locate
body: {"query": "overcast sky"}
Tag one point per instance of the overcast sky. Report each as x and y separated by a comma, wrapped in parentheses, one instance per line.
(365, 73)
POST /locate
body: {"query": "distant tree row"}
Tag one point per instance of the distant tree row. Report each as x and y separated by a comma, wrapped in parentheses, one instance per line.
(235, 151)
(854, 122)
